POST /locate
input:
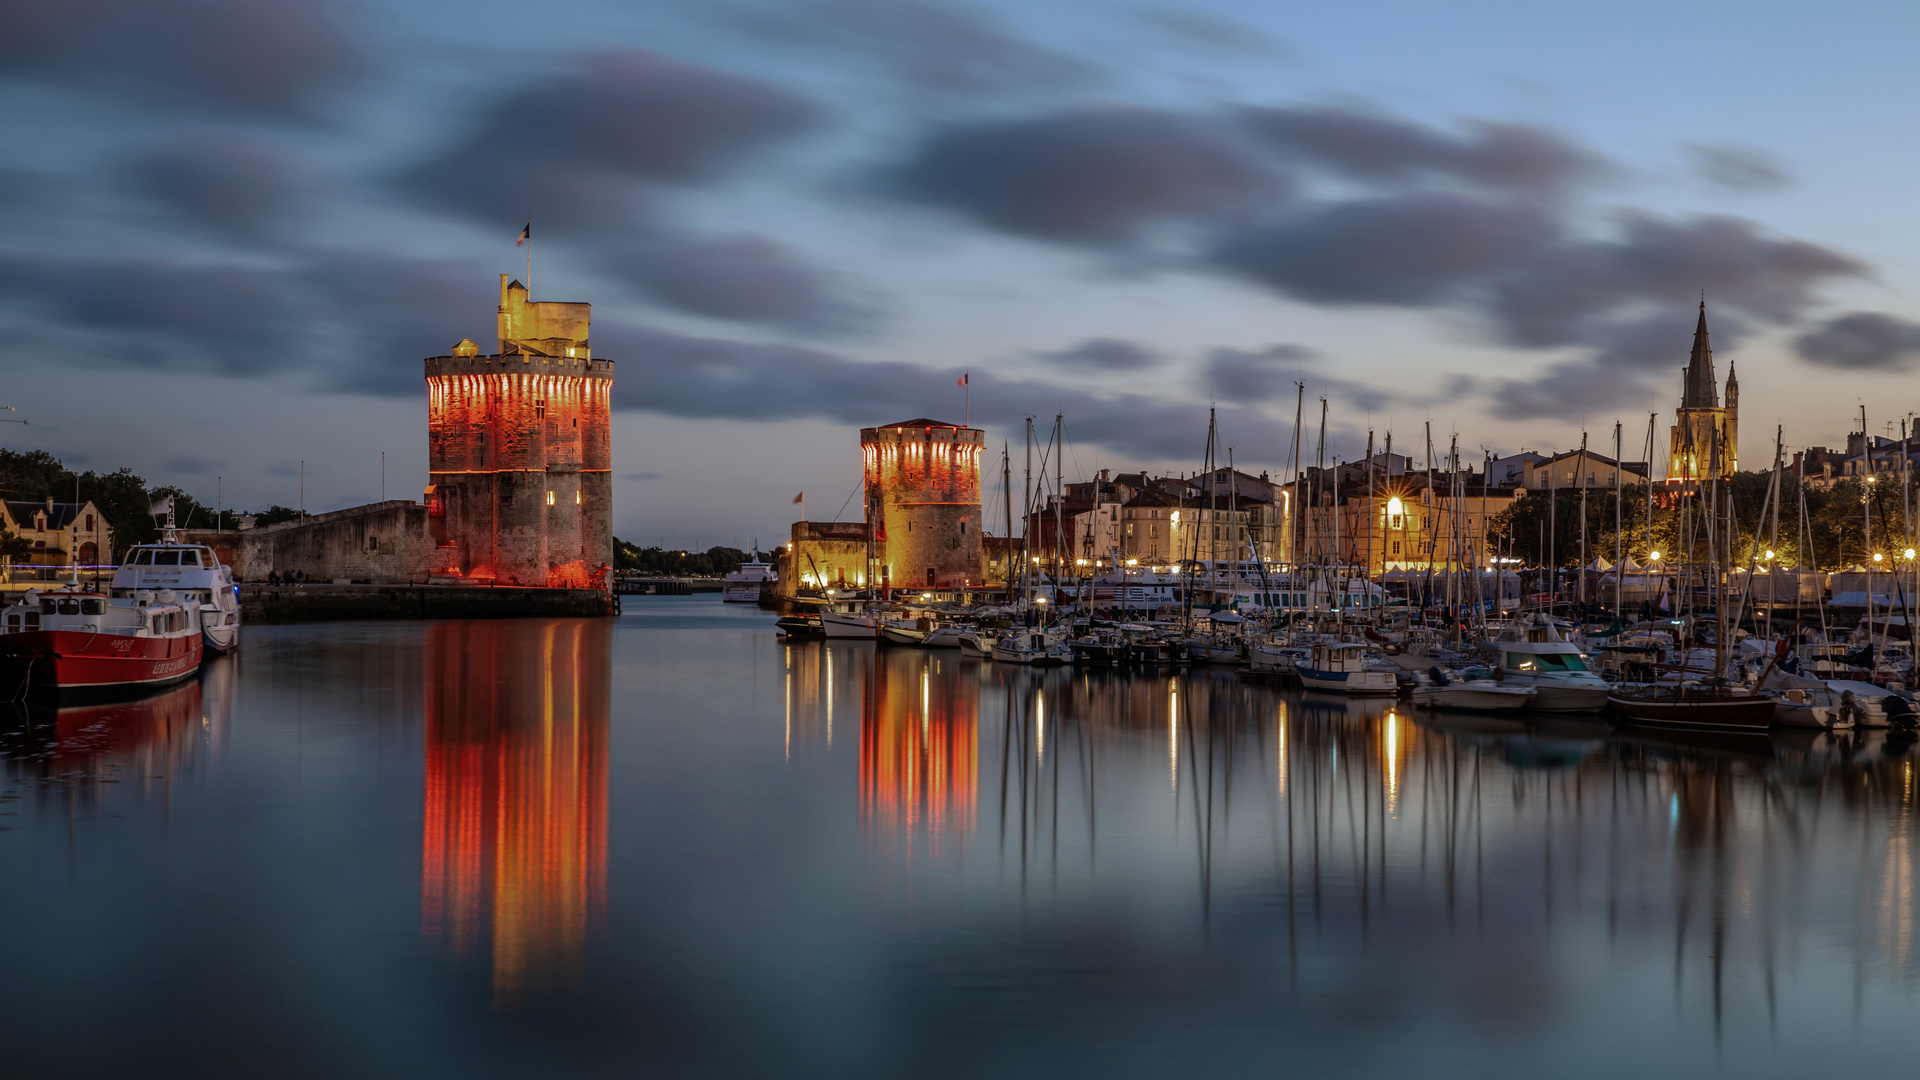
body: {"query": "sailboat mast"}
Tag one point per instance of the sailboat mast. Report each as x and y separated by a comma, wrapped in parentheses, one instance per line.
(1619, 570)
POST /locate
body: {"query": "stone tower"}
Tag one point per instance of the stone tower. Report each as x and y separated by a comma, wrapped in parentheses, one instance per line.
(520, 452)
(1706, 439)
(923, 500)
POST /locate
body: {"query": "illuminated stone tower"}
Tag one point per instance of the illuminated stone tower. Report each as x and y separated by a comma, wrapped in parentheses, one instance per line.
(520, 451)
(1706, 437)
(923, 498)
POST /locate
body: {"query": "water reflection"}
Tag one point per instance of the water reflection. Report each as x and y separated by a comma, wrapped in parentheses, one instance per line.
(82, 746)
(919, 746)
(1462, 840)
(515, 827)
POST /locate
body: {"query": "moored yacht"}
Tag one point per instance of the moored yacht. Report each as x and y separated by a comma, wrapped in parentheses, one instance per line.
(1535, 655)
(189, 571)
(74, 639)
(743, 585)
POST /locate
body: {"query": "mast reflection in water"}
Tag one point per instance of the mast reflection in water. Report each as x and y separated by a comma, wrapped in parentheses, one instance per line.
(515, 823)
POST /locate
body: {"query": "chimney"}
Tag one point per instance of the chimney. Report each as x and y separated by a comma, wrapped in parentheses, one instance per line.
(49, 508)
(1103, 476)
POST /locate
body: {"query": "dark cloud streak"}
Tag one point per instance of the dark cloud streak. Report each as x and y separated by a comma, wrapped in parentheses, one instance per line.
(274, 58)
(1862, 341)
(578, 150)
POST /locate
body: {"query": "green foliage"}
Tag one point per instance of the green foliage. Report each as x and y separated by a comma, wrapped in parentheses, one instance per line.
(274, 515)
(1829, 535)
(713, 562)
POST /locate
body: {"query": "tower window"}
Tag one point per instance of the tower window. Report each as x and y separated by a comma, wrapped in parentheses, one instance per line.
(549, 498)
(576, 498)
(539, 408)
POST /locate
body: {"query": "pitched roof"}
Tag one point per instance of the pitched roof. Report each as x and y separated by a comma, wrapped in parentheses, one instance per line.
(1699, 391)
(22, 511)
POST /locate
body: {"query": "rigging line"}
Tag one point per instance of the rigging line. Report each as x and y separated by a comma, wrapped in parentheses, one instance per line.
(850, 495)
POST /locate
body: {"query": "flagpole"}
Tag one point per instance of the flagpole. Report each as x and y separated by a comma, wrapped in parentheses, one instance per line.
(529, 258)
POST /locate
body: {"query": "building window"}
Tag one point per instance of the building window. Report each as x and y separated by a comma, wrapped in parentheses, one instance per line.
(539, 408)
(963, 526)
(1396, 521)
(1396, 547)
(576, 499)
(506, 498)
(89, 522)
(373, 543)
(549, 498)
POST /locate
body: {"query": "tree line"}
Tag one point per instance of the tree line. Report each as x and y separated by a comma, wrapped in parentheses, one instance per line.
(1815, 528)
(666, 562)
(123, 497)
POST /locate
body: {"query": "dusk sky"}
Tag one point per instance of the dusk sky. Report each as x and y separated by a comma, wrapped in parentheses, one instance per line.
(232, 230)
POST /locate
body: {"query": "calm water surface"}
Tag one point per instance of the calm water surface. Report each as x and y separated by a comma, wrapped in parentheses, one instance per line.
(669, 844)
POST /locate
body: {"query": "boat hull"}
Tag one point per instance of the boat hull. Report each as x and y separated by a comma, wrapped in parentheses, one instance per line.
(838, 624)
(82, 660)
(1696, 709)
(1474, 698)
(1348, 682)
(1567, 698)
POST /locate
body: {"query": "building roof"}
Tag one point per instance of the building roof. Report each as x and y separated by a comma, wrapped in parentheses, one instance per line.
(22, 512)
(1698, 391)
(924, 423)
(1154, 497)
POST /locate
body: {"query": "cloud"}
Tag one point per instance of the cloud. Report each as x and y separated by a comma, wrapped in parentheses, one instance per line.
(375, 317)
(577, 149)
(743, 277)
(152, 313)
(1739, 168)
(942, 48)
(1566, 389)
(1862, 340)
(1558, 294)
(264, 57)
(191, 465)
(1256, 374)
(1092, 175)
(1415, 250)
(221, 182)
(707, 378)
(1200, 30)
(1103, 354)
(640, 477)
(1381, 149)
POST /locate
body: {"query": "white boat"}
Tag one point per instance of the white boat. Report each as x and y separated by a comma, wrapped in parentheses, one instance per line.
(1536, 655)
(1474, 695)
(1343, 669)
(1811, 702)
(1038, 648)
(976, 643)
(189, 571)
(743, 585)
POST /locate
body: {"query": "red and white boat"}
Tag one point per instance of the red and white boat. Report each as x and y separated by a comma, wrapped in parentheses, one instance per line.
(73, 639)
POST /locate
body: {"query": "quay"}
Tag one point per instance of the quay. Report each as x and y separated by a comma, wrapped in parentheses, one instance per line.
(324, 602)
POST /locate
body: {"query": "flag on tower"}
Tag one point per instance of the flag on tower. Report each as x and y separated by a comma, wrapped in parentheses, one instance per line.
(962, 380)
(526, 234)
(800, 498)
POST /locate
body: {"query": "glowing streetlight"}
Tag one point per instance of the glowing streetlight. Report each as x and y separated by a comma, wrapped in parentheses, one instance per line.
(1877, 556)
(1769, 554)
(1133, 562)
(1653, 555)
(1907, 554)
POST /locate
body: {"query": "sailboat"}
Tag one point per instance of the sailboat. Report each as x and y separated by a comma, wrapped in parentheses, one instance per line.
(1713, 703)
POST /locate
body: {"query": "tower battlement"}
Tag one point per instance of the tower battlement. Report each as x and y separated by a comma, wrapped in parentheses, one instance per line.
(520, 453)
(923, 498)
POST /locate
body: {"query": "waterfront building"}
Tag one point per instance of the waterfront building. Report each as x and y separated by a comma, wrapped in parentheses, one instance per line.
(1403, 524)
(1578, 469)
(520, 451)
(1706, 434)
(61, 534)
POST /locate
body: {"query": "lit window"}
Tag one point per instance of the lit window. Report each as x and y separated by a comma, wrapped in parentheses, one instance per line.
(549, 498)
(576, 498)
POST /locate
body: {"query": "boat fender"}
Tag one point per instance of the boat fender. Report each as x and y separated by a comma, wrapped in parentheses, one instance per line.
(1499, 673)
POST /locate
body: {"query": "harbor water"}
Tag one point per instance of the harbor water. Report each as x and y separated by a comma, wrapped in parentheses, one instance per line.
(671, 844)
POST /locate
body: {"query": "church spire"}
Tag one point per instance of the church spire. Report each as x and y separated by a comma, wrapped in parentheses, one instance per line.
(1699, 392)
